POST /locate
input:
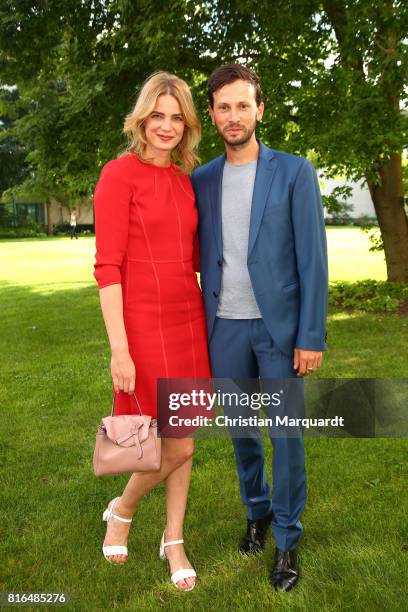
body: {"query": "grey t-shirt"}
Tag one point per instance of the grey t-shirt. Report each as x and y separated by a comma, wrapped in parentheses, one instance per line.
(237, 299)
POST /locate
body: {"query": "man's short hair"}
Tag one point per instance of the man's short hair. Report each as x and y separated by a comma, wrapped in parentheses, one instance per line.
(230, 73)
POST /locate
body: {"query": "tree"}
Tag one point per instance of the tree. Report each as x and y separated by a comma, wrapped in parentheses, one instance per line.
(13, 168)
(78, 66)
(335, 77)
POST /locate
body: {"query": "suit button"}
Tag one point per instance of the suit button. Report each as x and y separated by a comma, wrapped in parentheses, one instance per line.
(219, 262)
(215, 294)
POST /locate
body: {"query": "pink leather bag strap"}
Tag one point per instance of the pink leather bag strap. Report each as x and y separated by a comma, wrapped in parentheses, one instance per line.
(137, 403)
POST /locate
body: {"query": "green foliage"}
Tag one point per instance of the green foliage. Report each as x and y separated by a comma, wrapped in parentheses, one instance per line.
(367, 295)
(374, 237)
(6, 216)
(334, 77)
(13, 165)
(330, 75)
(363, 221)
(26, 228)
(87, 62)
(22, 232)
(336, 203)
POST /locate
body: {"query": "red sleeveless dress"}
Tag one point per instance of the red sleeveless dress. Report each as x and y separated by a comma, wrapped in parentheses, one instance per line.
(145, 227)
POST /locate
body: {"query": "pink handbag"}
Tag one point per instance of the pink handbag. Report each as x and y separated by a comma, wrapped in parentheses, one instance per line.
(127, 443)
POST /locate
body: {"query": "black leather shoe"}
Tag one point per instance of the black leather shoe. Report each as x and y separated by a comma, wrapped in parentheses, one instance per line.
(285, 573)
(254, 540)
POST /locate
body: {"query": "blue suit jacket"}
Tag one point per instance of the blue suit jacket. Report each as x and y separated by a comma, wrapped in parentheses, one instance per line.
(287, 253)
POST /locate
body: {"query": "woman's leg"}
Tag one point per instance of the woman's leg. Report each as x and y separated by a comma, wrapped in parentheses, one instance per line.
(175, 452)
(177, 485)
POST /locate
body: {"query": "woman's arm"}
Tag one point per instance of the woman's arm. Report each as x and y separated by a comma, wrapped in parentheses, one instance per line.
(122, 367)
(111, 204)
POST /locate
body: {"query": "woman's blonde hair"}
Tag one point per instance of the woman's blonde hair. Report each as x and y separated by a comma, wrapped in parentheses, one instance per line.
(155, 85)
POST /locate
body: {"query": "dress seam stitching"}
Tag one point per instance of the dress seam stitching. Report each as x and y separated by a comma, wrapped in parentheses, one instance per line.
(185, 279)
(158, 293)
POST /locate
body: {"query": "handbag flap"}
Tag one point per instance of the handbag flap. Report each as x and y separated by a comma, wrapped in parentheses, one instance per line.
(127, 429)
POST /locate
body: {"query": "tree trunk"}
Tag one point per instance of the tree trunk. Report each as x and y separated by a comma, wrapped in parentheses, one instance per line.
(388, 193)
(388, 202)
(49, 224)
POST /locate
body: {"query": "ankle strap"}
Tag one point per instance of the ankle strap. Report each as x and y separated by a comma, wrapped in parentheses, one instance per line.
(109, 512)
(120, 518)
(172, 542)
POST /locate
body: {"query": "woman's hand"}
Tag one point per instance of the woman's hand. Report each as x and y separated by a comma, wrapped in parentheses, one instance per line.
(123, 371)
(122, 367)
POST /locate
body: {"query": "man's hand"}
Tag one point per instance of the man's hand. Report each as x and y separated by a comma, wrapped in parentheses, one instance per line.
(306, 362)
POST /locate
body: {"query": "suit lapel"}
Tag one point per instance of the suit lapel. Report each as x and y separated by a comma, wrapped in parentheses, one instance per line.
(265, 173)
(216, 196)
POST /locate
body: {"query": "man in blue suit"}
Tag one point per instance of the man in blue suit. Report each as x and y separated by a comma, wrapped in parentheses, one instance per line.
(263, 263)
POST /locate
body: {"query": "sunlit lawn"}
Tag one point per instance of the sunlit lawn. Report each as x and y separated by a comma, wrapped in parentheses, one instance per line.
(54, 388)
(350, 258)
(61, 262)
(53, 263)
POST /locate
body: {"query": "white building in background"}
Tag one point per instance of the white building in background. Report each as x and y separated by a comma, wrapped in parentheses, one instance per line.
(360, 198)
(59, 215)
(26, 208)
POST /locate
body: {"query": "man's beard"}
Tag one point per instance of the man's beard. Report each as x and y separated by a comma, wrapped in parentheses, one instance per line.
(239, 142)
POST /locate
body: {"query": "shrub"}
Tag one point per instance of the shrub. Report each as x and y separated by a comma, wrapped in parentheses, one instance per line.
(21, 232)
(368, 295)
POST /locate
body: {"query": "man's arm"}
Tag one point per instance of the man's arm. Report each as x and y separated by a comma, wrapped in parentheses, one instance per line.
(311, 254)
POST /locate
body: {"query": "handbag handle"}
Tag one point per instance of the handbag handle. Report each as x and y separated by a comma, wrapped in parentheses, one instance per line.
(137, 403)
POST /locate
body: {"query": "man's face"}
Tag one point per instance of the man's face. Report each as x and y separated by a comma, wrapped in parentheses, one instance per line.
(235, 112)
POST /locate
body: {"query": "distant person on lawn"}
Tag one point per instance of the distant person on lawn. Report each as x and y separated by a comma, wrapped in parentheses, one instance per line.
(73, 224)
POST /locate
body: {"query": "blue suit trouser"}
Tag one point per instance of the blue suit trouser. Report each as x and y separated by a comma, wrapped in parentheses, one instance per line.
(244, 349)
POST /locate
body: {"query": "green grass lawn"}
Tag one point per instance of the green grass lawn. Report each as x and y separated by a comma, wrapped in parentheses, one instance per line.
(63, 263)
(55, 386)
(349, 256)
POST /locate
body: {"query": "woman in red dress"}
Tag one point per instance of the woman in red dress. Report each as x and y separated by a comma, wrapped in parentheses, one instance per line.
(146, 224)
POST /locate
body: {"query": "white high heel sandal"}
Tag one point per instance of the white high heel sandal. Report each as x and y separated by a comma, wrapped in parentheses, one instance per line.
(180, 574)
(114, 549)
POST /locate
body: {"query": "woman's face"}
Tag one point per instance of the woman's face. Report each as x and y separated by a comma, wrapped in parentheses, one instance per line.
(165, 125)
